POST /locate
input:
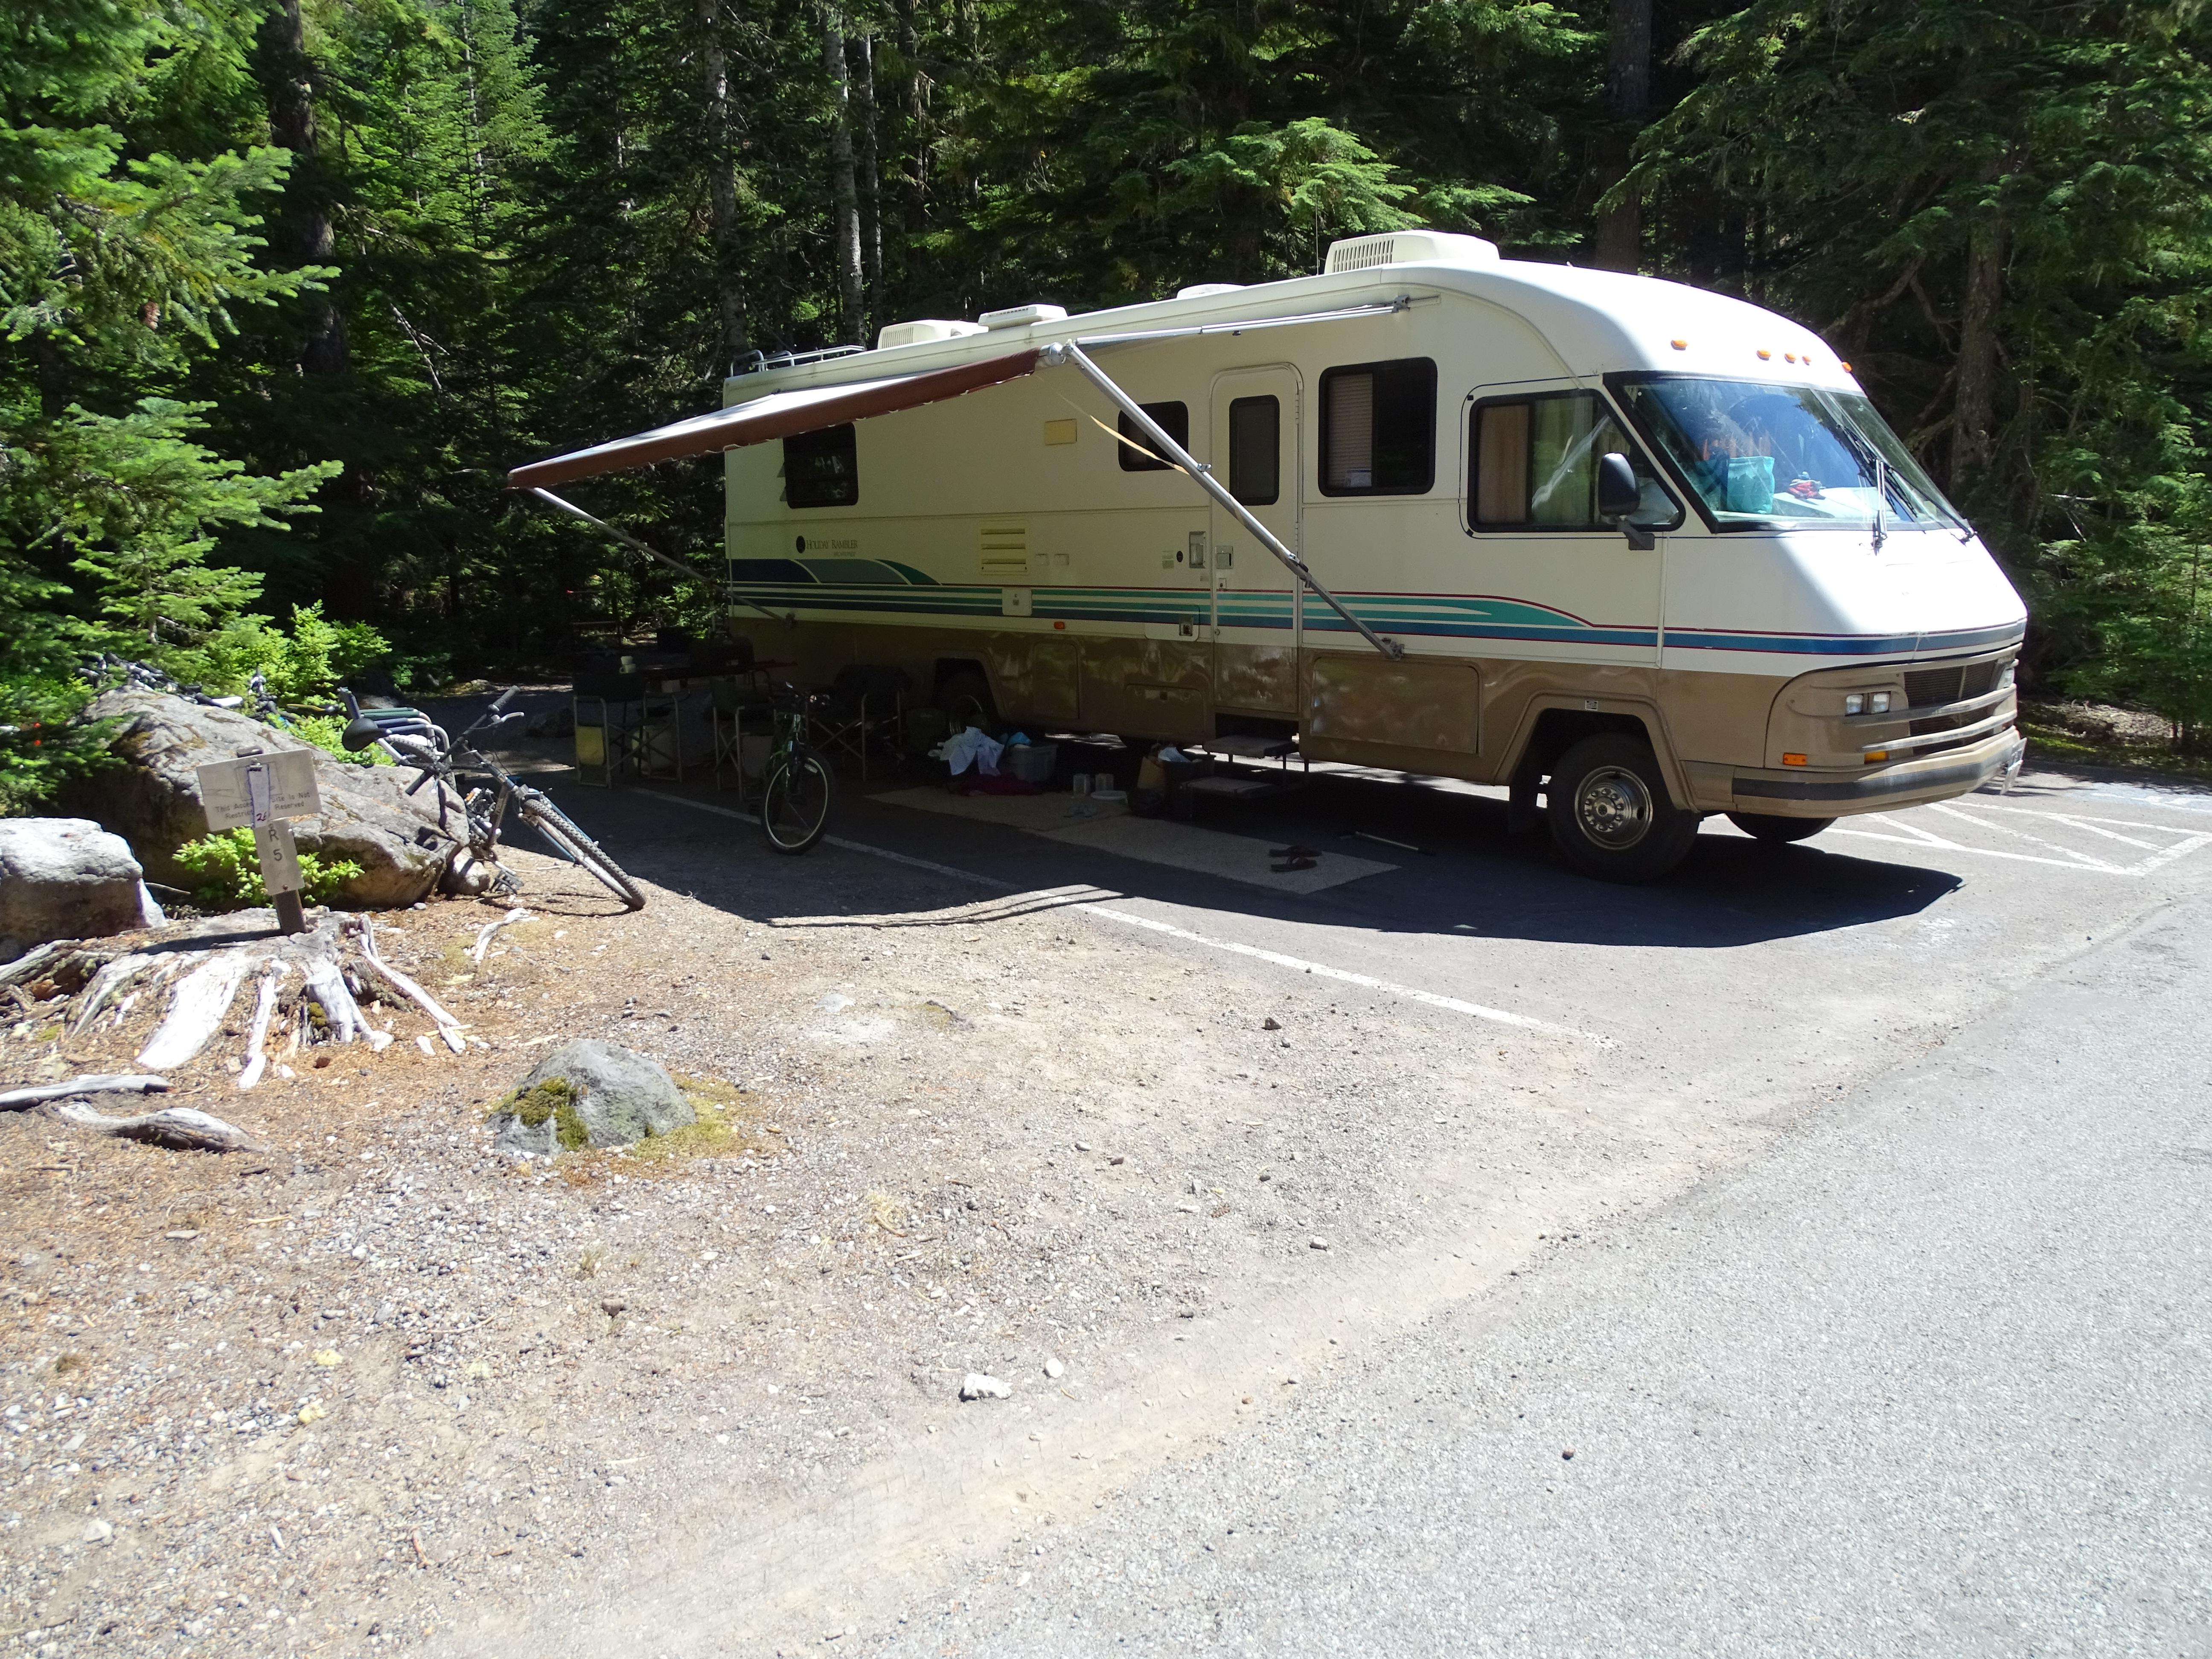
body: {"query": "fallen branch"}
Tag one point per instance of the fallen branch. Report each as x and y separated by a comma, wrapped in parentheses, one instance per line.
(197, 1007)
(483, 933)
(28, 966)
(105, 1082)
(448, 1027)
(105, 984)
(257, 1037)
(181, 1128)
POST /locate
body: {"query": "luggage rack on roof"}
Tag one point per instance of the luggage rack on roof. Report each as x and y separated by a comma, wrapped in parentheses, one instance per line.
(755, 362)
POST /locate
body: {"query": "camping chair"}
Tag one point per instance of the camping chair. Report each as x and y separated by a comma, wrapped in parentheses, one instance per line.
(728, 702)
(604, 706)
(864, 702)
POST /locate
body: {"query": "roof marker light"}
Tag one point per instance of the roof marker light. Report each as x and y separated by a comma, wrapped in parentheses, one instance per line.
(1680, 345)
(1846, 368)
(1765, 356)
(1789, 357)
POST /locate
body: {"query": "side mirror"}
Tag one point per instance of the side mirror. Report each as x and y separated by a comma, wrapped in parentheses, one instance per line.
(1618, 496)
(359, 734)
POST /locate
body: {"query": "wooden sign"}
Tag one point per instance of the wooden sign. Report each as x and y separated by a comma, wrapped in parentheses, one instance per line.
(258, 789)
(261, 793)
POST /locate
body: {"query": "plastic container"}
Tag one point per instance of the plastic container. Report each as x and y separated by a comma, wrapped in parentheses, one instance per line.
(1029, 763)
(1109, 798)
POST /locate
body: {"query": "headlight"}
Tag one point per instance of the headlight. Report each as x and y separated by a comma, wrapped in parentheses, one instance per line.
(1879, 703)
(1854, 703)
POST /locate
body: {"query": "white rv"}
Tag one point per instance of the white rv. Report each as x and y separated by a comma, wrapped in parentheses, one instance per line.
(1644, 551)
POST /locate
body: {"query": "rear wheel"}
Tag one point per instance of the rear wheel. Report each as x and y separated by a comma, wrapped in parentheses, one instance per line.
(1766, 826)
(965, 697)
(1610, 813)
(795, 801)
(572, 844)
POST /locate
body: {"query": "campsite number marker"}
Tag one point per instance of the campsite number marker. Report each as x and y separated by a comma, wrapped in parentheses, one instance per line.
(263, 792)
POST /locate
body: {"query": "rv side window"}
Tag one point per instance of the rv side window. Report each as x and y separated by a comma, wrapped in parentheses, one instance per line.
(1378, 428)
(821, 469)
(1256, 464)
(1534, 462)
(1174, 419)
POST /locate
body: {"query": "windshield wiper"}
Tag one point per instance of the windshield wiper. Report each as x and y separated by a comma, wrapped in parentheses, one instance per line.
(1881, 500)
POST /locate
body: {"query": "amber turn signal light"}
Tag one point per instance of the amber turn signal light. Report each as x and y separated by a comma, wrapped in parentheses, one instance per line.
(1793, 760)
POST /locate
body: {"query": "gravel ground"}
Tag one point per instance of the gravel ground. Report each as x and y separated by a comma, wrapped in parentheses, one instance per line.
(378, 1388)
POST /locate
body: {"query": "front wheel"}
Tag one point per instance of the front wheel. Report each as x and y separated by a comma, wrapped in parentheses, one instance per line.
(1610, 814)
(795, 801)
(1767, 826)
(574, 845)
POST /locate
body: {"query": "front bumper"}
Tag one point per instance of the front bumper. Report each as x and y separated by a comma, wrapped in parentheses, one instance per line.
(1795, 794)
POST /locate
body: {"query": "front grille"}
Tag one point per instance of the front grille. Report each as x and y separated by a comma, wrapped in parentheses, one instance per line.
(1927, 688)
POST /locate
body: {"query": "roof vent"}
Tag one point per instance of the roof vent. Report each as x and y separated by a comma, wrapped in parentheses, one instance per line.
(917, 333)
(1207, 290)
(1023, 316)
(1408, 248)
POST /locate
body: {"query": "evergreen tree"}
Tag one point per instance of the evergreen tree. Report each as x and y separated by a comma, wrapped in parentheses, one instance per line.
(118, 263)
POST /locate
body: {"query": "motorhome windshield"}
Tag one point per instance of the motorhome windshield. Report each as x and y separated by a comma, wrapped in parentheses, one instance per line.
(1794, 457)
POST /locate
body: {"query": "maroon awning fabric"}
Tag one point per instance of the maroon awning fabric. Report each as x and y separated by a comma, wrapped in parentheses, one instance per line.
(778, 415)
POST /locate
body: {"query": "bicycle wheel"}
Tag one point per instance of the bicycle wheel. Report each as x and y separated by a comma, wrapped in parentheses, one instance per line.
(795, 801)
(572, 844)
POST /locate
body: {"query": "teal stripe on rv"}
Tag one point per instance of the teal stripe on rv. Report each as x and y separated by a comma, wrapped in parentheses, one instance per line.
(1427, 615)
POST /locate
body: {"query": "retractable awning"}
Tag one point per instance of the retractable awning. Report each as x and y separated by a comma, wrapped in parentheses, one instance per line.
(778, 415)
(788, 414)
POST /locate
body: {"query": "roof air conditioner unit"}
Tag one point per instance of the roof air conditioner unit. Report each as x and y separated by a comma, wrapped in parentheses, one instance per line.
(1408, 248)
(1023, 316)
(916, 333)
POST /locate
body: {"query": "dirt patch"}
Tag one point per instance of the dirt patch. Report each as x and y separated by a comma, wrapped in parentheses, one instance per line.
(331, 1398)
(2107, 735)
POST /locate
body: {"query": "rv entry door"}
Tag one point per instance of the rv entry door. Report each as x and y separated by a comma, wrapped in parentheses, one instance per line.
(1253, 445)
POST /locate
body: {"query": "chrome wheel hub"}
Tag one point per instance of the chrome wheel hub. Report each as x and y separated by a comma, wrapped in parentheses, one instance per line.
(1614, 808)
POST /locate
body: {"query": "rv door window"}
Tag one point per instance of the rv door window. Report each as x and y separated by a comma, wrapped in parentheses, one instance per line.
(1255, 465)
(822, 469)
(1174, 419)
(1378, 428)
(1535, 465)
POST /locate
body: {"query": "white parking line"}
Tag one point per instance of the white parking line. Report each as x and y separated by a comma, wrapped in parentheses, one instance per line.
(1972, 809)
(1298, 964)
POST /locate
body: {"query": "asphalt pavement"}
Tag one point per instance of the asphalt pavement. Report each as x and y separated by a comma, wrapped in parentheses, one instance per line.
(1929, 1376)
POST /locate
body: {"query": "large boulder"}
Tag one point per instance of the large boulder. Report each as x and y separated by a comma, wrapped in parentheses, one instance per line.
(67, 878)
(589, 1093)
(153, 800)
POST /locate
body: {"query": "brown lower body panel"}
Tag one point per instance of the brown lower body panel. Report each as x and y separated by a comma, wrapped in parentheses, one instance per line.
(1456, 717)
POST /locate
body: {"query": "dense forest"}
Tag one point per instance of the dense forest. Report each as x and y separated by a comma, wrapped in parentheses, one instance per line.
(289, 284)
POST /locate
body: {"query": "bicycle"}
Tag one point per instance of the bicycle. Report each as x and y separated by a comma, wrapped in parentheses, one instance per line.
(109, 670)
(795, 786)
(414, 740)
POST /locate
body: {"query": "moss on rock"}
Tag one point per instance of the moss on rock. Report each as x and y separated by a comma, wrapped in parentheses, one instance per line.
(555, 1098)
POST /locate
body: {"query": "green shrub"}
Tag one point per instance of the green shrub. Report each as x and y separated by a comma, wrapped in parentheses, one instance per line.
(226, 871)
(308, 665)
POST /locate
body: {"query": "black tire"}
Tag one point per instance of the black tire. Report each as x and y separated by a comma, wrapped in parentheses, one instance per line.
(965, 697)
(1610, 814)
(572, 844)
(794, 809)
(1765, 826)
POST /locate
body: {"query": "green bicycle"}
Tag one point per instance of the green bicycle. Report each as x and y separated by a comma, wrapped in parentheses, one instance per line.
(795, 788)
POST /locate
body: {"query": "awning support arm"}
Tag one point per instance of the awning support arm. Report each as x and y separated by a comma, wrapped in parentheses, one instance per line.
(1203, 475)
(637, 546)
